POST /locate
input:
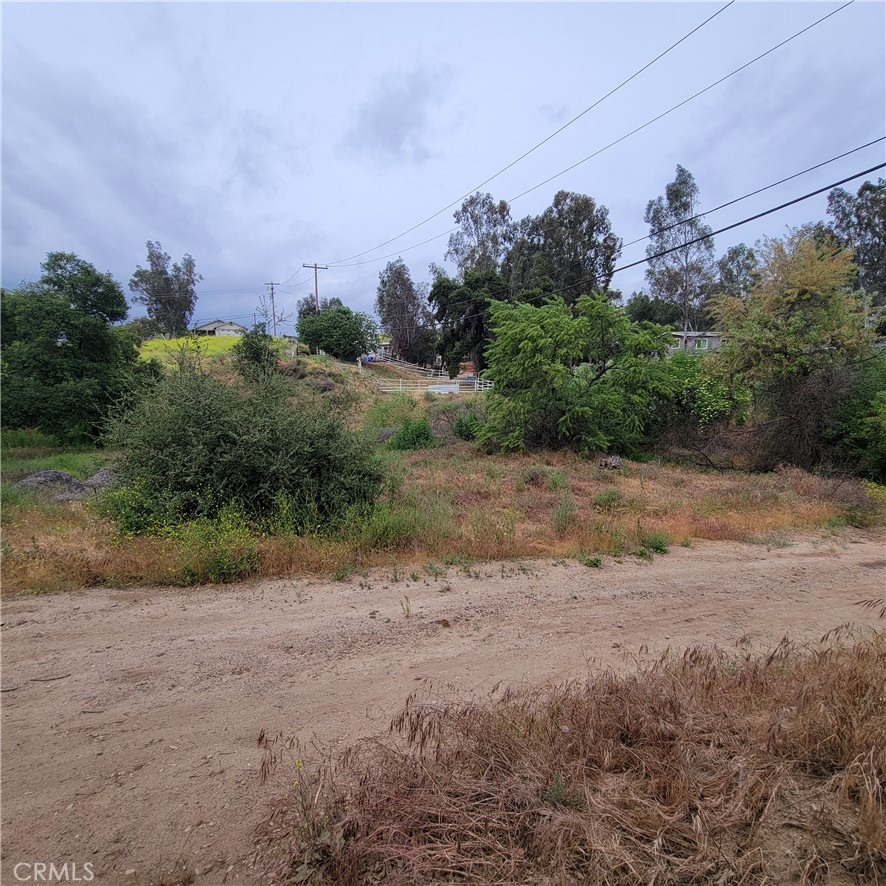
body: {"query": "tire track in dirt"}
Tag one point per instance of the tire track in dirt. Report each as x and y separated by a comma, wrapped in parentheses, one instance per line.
(146, 754)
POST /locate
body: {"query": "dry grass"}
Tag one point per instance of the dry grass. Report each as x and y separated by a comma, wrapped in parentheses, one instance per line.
(705, 768)
(451, 501)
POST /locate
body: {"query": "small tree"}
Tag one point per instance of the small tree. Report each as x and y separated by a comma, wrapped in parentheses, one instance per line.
(197, 447)
(589, 380)
(169, 293)
(256, 353)
(339, 332)
(798, 340)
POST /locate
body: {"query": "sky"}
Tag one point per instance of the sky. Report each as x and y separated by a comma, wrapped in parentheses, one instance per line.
(259, 137)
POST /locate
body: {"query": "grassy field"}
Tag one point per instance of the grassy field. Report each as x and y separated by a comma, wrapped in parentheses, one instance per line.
(444, 508)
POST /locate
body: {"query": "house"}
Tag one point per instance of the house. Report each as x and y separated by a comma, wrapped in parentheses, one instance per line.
(697, 341)
(219, 327)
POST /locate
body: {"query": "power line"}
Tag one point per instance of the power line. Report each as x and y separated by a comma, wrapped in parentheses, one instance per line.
(664, 252)
(544, 141)
(753, 193)
(618, 140)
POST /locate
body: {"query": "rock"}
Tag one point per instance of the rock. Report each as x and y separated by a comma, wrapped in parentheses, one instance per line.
(385, 434)
(105, 477)
(612, 462)
(51, 481)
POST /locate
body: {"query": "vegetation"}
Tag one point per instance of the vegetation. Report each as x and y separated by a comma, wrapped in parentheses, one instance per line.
(256, 354)
(685, 769)
(590, 380)
(681, 262)
(169, 293)
(196, 447)
(64, 363)
(339, 332)
(402, 308)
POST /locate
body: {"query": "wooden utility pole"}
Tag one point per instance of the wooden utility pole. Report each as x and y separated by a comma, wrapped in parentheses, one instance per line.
(273, 309)
(316, 268)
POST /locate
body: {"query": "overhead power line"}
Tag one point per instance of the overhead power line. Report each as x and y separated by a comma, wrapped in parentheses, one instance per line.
(612, 144)
(753, 193)
(544, 141)
(700, 239)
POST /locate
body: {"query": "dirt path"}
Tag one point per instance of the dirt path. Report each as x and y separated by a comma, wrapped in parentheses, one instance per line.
(144, 752)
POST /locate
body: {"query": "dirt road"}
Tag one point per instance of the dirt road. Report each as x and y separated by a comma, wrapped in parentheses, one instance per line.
(130, 718)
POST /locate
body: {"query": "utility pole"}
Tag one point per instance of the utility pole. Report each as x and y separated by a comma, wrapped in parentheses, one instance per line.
(316, 268)
(273, 309)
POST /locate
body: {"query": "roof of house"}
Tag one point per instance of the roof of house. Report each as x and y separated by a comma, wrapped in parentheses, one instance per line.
(214, 324)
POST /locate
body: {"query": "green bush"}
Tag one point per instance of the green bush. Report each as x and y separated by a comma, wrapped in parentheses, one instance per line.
(219, 550)
(413, 434)
(26, 438)
(256, 353)
(195, 446)
(466, 424)
(658, 542)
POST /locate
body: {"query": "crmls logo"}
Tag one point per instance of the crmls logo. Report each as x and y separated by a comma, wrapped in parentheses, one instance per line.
(39, 872)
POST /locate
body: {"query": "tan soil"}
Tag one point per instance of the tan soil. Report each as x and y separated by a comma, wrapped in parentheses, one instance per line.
(144, 752)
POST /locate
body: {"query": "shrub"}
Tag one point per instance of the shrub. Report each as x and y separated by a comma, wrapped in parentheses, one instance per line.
(195, 446)
(608, 499)
(466, 424)
(256, 354)
(413, 434)
(658, 542)
(217, 550)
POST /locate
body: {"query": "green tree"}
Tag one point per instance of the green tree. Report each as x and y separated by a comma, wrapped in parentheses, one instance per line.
(169, 293)
(339, 332)
(402, 308)
(589, 378)
(860, 225)
(461, 308)
(737, 270)
(685, 275)
(798, 341)
(571, 244)
(64, 365)
(485, 231)
(641, 307)
(196, 447)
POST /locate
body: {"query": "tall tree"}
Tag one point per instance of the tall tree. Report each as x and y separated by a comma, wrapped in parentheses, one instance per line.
(461, 307)
(169, 293)
(307, 306)
(860, 224)
(685, 275)
(737, 271)
(64, 364)
(402, 308)
(571, 244)
(484, 234)
(641, 308)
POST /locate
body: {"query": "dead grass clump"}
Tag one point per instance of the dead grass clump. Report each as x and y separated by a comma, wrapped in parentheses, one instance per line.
(705, 768)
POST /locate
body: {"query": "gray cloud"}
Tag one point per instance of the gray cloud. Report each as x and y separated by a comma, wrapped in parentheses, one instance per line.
(394, 124)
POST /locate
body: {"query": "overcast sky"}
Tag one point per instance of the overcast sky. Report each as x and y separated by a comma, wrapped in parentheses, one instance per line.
(258, 137)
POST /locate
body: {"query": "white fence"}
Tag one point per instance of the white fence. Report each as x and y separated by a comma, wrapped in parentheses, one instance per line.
(444, 386)
(408, 367)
